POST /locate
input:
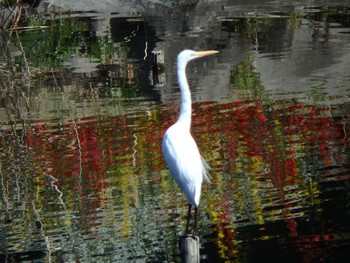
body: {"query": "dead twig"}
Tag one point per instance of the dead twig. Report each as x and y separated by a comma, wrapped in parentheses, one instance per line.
(26, 28)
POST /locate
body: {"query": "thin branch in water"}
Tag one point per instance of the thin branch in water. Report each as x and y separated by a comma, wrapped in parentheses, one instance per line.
(26, 28)
(24, 55)
(42, 230)
(51, 3)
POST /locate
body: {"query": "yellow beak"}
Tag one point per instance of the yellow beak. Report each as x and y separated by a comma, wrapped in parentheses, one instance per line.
(206, 53)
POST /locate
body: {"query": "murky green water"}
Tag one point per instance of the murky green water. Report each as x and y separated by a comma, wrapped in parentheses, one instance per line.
(83, 110)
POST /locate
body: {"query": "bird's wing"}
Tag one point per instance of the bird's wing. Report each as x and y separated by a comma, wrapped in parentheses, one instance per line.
(184, 162)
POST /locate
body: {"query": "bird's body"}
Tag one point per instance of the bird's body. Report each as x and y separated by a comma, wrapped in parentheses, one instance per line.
(184, 162)
(180, 150)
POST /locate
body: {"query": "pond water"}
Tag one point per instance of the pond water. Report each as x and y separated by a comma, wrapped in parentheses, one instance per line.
(84, 107)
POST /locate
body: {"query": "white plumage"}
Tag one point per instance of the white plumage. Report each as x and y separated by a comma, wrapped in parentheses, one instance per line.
(179, 148)
(184, 162)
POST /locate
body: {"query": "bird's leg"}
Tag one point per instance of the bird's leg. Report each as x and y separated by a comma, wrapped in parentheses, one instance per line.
(195, 221)
(188, 218)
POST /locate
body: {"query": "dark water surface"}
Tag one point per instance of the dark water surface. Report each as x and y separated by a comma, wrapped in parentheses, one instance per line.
(84, 107)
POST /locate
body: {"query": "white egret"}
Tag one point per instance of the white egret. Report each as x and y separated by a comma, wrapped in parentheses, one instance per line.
(179, 148)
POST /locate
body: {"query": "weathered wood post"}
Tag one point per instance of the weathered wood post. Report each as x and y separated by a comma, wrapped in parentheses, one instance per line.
(189, 249)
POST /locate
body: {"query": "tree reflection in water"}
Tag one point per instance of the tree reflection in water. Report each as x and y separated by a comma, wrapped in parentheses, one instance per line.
(82, 176)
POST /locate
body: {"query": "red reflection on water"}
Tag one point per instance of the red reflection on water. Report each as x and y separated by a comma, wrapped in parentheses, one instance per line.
(250, 137)
(278, 136)
(312, 247)
(250, 124)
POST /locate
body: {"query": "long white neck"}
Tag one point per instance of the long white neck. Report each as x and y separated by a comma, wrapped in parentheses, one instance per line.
(186, 103)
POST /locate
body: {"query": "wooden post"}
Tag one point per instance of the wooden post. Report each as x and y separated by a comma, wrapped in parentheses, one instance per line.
(189, 249)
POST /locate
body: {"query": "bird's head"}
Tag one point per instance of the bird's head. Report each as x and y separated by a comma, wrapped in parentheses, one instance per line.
(188, 55)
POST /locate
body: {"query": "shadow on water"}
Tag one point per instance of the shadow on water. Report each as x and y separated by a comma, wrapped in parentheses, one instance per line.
(82, 118)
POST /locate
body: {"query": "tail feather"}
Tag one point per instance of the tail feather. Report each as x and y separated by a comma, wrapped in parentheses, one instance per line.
(206, 168)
